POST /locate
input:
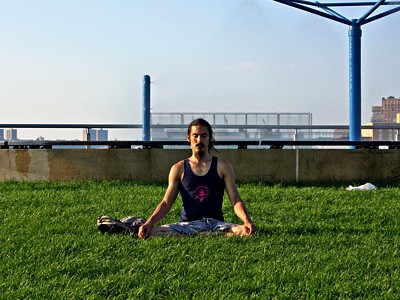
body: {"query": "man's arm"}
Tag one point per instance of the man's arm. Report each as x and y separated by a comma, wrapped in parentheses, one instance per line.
(226, 171)
(165, 205)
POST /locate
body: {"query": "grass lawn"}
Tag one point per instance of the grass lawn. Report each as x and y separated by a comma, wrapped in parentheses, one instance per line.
(313, 243)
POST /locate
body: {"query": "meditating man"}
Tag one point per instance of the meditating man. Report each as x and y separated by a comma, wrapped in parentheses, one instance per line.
(201, 181)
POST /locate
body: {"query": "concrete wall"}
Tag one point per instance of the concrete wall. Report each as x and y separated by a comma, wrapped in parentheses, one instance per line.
(291, 165)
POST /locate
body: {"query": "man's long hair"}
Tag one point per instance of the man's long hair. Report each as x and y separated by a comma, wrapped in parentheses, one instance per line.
(202, 122)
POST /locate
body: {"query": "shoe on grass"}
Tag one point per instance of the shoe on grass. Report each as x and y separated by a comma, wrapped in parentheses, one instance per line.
(127, 225)
(133, 222)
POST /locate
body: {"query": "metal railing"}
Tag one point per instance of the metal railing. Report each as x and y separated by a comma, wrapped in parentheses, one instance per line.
(239, 143)
(139, 126)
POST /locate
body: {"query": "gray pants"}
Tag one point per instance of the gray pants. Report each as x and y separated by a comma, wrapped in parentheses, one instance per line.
(203, 225)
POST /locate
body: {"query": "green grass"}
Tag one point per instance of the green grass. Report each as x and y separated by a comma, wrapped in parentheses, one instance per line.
(314, 243)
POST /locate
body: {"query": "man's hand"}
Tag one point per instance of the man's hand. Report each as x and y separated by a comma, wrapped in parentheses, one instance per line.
(145, 231)
(250, 228)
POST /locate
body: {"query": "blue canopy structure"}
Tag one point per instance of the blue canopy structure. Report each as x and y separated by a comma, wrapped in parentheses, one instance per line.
(325, 10)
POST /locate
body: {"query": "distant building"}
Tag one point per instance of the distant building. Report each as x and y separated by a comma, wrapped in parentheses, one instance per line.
(341, 134)
(387, 111)
(386, 114)
(10, 134)
(390, 108)
(367, 134)
(96, 135)
(377, 114)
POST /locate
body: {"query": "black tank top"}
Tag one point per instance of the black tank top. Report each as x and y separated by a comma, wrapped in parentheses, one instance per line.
(201, 195)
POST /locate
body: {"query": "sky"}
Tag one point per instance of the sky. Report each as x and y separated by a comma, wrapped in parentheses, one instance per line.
(83, 61)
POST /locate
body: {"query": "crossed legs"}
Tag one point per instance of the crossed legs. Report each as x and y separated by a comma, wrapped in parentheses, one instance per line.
(238, 230)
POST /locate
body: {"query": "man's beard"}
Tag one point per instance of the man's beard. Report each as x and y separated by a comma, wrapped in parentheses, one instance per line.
(201, 153)
(201, 150)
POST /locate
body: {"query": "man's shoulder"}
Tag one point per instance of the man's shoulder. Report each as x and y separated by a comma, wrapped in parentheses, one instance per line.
(224, 167)
(176, 171)
(178, 166)
(222, 161)
(179, 163)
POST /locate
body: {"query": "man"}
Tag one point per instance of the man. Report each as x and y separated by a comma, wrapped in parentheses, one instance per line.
(201, 180)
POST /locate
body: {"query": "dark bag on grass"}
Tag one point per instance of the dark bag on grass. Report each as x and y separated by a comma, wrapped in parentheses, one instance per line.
(128, 225)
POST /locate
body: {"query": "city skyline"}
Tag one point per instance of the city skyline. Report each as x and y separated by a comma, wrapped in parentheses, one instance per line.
(83, 62)
(388, 113)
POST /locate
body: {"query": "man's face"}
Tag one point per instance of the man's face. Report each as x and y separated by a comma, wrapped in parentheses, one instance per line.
(199, 139)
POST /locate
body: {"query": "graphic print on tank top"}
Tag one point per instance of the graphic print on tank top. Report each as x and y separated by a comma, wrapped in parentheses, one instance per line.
(201, 193)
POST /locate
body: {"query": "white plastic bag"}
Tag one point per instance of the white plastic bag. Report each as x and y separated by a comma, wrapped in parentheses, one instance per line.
(365, 187)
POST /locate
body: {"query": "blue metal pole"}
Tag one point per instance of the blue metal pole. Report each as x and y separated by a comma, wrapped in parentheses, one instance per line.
(355, 81)
(146, 109)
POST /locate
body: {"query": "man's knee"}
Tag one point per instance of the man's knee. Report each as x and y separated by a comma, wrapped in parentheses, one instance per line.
(162, 231)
